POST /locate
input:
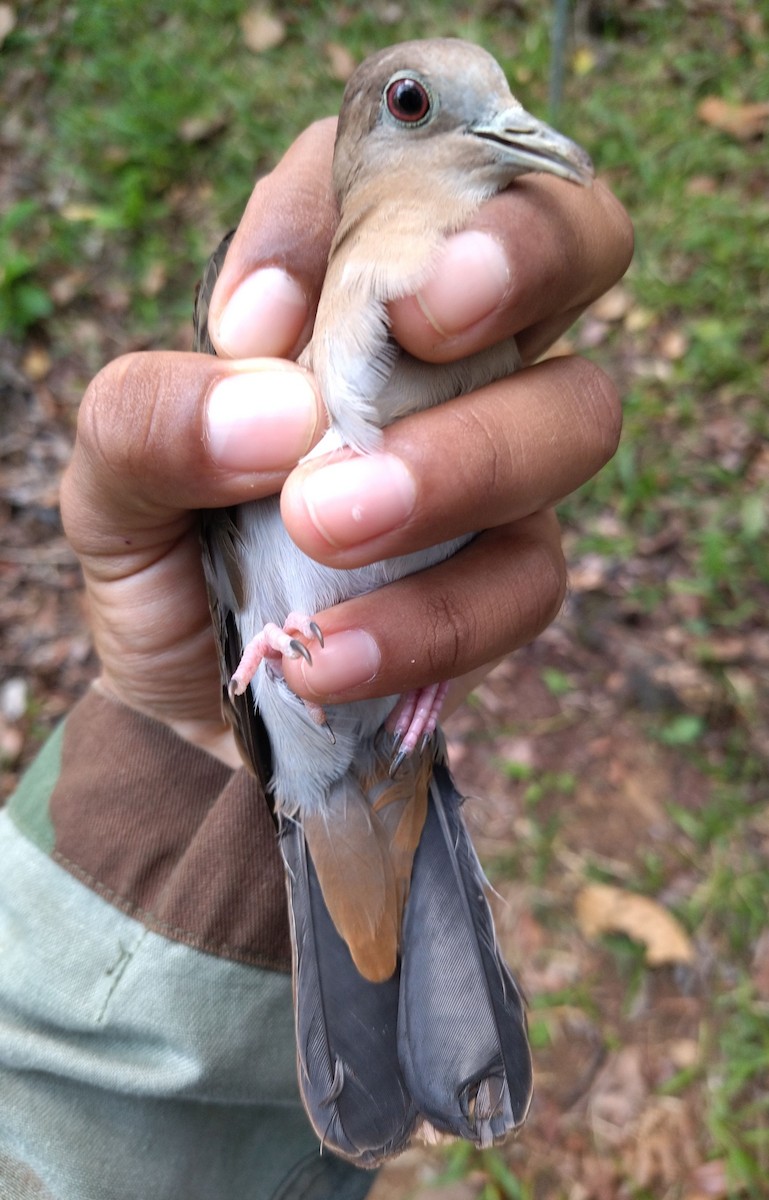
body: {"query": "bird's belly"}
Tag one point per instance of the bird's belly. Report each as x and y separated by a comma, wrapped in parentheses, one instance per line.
(306, 761)
(282, 579)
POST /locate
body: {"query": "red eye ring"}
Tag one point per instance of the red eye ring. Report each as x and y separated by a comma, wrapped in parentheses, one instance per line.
(408, 100)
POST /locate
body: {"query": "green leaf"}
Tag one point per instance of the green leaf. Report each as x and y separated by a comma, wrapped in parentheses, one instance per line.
(682, 730)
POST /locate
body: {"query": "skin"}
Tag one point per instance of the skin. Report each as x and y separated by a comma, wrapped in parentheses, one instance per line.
(147, 456)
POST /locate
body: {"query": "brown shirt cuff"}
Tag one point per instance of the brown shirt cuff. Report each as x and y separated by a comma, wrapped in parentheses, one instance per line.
(169, 834)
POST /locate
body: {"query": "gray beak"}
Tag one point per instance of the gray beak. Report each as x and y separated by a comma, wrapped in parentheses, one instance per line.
(530, 144)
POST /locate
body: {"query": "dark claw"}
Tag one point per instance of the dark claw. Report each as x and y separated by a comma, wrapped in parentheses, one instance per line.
(317, 633)
(425, 742)
(300, 648)
(397, 739)
(397, 762)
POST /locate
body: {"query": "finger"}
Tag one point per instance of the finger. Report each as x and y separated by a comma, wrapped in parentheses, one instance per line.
(531, 260)
(504, 452)
(265, 298)
(161, 434)
(496, 594)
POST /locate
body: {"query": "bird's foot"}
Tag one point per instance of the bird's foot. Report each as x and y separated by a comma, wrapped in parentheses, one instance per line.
(272, 642)
(413, 720)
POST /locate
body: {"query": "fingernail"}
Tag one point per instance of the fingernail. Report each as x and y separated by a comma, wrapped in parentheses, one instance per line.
(472, 280)
(352, 501)
(264, 315)
(346, 661)
(261, 420)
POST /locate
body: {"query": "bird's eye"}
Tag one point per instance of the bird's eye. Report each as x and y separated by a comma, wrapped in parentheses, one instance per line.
(407, 100)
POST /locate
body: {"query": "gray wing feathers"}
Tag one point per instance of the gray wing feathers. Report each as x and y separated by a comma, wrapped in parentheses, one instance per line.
(349, 1077)
(462, 1038)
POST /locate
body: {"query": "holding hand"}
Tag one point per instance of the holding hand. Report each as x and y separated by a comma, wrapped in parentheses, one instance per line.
(163, 435)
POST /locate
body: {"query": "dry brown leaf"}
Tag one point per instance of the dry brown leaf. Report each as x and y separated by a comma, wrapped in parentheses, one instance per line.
(666, 1147)
(702, 185)
(618, 1095)
(80, 212)
(590, 573)
(599, 1179)
(36, 363)
(673, 344)
(758, 472)
(692, 685)
(340, 61)
(155, 278)
(684, 1053)
(583, 61)
(601, 908)
(709, 1181)
(613, 305)
(592, 332)
(639, 318)
(200, 129)
(11, 744)
(261, 29)
(741, 121)
(66, 286)
(405, 1176)
(7, 21)
(722, 649)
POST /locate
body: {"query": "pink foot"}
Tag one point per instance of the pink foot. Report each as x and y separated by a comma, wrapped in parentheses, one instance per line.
(273, 642)
(414, 719)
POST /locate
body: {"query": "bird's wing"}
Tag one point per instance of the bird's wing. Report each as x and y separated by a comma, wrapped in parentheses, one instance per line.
(220, 538)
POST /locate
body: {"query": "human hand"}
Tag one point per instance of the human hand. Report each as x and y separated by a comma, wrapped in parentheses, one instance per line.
(163, 435)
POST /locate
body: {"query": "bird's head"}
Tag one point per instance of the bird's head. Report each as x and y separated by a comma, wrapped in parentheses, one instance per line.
(440, 113)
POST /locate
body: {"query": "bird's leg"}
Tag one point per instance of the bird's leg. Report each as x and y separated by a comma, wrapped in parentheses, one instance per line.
(272, 642)
(413, 720)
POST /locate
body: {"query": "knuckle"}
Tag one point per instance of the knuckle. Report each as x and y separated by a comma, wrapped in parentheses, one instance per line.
(600, 411)
(91, 407)
(451, 630)
(107, 424)
(487, 462)
(112, 415)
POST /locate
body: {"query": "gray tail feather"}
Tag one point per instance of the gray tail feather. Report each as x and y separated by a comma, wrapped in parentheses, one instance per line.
(462, 1039)
(349, 1076)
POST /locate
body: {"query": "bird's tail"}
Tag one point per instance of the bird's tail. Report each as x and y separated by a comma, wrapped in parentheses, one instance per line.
(441, 1044)
(462, 1042)
(346, 1028)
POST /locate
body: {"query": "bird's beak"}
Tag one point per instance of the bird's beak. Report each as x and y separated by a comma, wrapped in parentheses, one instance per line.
(530, 144)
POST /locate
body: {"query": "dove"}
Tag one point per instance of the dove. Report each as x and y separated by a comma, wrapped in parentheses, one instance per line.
(409, 1023)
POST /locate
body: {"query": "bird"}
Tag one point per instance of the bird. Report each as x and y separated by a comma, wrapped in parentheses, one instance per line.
(409, 1023)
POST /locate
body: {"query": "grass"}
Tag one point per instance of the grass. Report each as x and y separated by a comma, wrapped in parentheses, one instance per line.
(129, 149)
(494, 1178)
(137, 132)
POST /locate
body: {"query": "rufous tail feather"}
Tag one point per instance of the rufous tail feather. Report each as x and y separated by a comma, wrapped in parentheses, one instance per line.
(362, 846)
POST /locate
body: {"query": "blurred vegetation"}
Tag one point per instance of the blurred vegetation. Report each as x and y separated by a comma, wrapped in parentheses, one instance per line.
(131, 134)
